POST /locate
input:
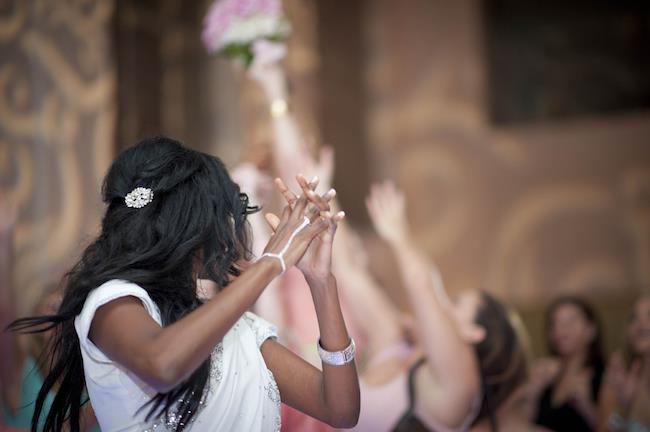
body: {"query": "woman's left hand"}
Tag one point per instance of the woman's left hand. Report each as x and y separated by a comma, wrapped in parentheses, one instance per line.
(316, 263)
(624, 383)
(386, 206)
(581, 387)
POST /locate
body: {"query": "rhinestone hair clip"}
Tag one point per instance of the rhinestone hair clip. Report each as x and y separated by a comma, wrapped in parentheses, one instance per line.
(138, 197)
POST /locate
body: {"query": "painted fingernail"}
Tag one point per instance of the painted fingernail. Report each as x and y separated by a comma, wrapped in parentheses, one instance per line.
(332, 192)
(341, 214)
(314, 180)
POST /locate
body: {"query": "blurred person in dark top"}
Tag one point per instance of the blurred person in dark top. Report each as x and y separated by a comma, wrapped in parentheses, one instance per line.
(566, 385)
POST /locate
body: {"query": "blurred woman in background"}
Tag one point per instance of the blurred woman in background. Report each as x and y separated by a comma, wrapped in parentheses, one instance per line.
(625, 396)
(566, 386)
(468, 360)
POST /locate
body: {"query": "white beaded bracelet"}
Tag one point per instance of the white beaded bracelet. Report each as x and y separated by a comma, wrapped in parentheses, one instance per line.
(337, 358)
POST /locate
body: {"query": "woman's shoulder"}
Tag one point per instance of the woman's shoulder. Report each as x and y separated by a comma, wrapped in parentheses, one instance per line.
(262, 329)
(116, 288)
(107, 292)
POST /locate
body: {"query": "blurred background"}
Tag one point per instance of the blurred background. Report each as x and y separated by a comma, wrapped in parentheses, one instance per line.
(519, 131)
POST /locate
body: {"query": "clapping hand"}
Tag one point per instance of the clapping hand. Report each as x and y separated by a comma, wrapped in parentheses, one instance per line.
(316, 263)
(624, 383)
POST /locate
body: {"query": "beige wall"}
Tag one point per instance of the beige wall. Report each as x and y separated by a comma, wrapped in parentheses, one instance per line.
(526, 212)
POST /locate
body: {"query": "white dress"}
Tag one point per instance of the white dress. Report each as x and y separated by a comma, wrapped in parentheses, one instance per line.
(241, 394)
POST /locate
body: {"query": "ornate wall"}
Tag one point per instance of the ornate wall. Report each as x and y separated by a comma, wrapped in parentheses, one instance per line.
(57, 117)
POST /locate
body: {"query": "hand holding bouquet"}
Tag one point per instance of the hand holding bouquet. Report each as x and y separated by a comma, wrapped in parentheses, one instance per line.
(241, 29)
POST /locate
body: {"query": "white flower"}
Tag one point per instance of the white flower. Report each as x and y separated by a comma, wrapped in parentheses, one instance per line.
(247, 30)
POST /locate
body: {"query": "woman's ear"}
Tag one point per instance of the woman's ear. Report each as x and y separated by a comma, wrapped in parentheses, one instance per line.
(206, 289)
(474, 333)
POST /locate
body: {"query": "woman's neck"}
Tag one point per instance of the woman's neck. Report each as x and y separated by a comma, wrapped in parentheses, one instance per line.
(575, 361)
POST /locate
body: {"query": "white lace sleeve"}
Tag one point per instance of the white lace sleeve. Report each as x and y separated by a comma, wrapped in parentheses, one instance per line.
(261, 328)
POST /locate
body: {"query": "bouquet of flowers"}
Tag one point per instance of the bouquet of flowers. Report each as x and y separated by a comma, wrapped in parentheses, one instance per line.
(232, 27)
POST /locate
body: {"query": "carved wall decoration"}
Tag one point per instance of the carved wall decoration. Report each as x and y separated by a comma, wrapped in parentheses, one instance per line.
(57, 115)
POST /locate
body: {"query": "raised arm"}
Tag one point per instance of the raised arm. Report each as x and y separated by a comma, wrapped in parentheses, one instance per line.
(330, 395)
(289, 149)
(451, 360)
(380, 323)
(163, 357)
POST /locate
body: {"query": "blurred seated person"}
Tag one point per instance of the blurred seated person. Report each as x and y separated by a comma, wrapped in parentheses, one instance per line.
(21, 371)
(566, 385)
(625, 396)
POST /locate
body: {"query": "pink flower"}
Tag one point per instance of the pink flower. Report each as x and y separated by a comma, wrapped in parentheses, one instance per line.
(222, 13)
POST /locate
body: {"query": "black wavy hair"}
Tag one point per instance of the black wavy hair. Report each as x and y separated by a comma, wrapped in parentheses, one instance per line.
(594, 357)
(197, 212)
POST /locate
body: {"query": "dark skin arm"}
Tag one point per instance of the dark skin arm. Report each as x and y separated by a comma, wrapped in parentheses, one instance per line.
(129, 336)
(332, 395)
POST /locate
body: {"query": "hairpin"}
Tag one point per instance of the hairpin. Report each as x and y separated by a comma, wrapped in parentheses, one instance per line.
(138, 197)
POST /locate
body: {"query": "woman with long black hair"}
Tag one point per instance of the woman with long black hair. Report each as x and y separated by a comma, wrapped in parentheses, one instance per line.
(132, 331)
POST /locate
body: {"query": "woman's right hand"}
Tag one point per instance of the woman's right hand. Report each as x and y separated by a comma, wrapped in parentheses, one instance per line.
(267, 69)
(543, 372)
(289, 232)
(386, 206)
(624, 383)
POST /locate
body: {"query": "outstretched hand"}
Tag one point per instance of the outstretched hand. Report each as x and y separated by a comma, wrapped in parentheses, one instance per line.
(316, 263)
(624, 382)
(387, 209)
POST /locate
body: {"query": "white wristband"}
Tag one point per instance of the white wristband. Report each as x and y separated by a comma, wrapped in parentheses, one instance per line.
(280, 256)
(337, 358)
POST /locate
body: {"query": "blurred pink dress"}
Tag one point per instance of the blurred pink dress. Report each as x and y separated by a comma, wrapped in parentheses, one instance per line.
(303, 326)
